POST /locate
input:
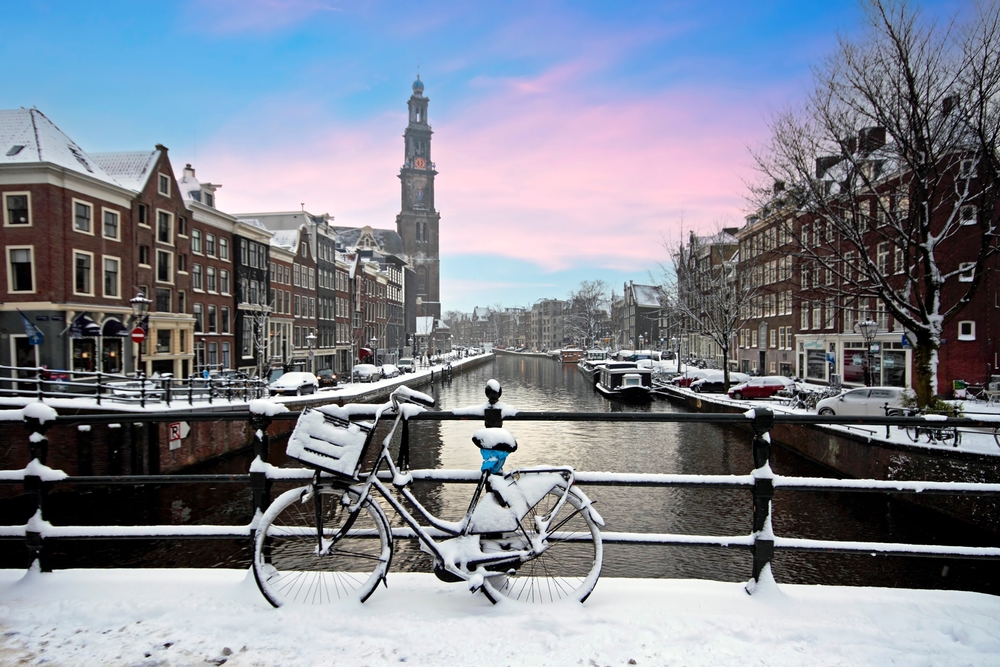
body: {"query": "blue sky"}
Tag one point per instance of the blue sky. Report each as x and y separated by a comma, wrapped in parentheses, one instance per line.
(572, 139)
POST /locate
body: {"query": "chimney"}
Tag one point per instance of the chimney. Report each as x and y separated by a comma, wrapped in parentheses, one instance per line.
(823, 164)
(871, 139)
(949, 103)
(188, 171)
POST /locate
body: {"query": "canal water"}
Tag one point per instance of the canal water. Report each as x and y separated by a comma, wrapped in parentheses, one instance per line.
(536, 384)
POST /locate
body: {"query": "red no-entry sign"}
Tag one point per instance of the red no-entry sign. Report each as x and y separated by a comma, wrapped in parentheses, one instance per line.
(138, 335)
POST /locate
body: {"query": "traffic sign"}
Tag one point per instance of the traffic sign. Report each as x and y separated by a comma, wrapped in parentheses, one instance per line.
(138, 335)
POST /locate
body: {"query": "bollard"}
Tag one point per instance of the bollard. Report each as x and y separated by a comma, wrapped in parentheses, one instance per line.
(763, 492)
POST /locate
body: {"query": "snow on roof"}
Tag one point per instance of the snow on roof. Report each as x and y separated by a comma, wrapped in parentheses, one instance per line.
(647, 295)
(389, 240)
(286, 238)
(253, 222)
(130, 168)
(28, 136)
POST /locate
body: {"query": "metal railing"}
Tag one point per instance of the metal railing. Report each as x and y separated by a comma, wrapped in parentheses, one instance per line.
(117, 389)
(761, 483)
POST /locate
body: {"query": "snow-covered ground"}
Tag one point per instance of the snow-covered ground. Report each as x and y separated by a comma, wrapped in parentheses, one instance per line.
(205, 617)
(980, 441)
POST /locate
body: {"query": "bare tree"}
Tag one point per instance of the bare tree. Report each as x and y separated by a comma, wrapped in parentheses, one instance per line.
(588, 311)
(891, 167)
(702, 286)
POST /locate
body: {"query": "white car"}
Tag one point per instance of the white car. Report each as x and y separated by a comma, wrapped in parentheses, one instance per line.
(406, 365)
(390, 371)
(295, 384)
(865, 401)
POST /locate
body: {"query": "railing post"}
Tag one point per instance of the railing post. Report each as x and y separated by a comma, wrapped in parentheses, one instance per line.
(493, 415)
(99, 388)
(763, 492)
(260, 485)
(37, 419)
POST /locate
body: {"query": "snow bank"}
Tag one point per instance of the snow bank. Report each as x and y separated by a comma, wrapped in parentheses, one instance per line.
(202, 617)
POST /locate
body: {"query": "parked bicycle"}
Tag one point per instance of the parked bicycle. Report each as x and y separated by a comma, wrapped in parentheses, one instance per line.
(529, 535)
(936, 432)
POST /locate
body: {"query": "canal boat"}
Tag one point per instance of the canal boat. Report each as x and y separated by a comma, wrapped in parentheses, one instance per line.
(571, 355)
(625, 380)
(590, 366)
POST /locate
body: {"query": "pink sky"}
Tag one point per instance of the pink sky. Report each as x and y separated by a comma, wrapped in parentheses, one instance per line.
(543, 168)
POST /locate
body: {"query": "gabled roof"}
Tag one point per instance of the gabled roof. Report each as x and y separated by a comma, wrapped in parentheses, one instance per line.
(28, 136)
(647, 296)
(389, 240)
(130, 168)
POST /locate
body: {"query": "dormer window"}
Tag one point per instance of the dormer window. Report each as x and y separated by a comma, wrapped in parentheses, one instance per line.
(209, 199)
(196, 195)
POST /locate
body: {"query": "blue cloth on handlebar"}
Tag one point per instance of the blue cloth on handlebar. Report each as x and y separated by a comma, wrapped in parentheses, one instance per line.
(493, 460)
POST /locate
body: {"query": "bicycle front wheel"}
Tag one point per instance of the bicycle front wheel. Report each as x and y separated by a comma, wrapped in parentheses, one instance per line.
(567, 569)
(311, 549)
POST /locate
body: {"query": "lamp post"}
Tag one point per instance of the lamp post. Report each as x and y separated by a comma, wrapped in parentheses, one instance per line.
(140, 308)
(311, 339)
(868, 330)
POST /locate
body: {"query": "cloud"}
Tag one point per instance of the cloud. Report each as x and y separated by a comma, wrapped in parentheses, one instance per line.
(254, 16)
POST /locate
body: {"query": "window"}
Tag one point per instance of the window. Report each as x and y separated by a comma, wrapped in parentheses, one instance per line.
(210, 279)
(224, 320)
(182, 263)
(828, 323)
(163, 300)
(111, 224)
(882, 257)
(773, 335)
(83, 266)
(273, 270)
(213, 319)
(163, 337)
(226, 355)
(312, 278)
(210, 244)
(142, 215)
(199, 317)
(209, 199)
(966, 168)
(112, 277)
(224, 281)
(196, 277)
(295, 275)
(163, 185)
(181, 303)
(196, 241)
(164, 225)
(804, 316)
(144, 255)
(83, 213)
(968, 270)
(967, 214)
(967, 330)
(753, 338)
(20, 269)
(223, 249)
(17, 210)
(897, 260)
(164, 269)
(182, 226)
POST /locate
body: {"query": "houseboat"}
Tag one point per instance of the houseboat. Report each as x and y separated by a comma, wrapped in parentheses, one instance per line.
(625, 380)
(590, 366)
(571, 355)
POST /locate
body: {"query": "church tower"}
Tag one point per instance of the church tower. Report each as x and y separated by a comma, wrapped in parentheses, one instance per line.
(417, 222)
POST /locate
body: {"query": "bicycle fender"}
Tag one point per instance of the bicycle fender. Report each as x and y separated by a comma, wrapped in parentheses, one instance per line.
(588, 505)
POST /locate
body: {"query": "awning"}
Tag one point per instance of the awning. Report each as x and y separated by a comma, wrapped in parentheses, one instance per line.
(84, 327)
(365, 352)
(114, 328)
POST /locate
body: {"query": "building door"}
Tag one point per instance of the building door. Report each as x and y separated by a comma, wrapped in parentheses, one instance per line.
(762, 361)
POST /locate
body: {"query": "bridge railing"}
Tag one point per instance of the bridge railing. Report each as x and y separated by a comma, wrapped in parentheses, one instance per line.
(761, 483)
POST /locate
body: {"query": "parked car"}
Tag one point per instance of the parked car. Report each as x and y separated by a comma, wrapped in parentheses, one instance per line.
(689, 376)
(715, 383)
(366, 373)
(390, 371)
(406, 365)
(295, 383)
(864, 401)
(762, 387)
(134, 390)
(326, 378)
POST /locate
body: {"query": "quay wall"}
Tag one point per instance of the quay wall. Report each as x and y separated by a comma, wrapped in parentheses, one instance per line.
(864, 456)
(136, 447)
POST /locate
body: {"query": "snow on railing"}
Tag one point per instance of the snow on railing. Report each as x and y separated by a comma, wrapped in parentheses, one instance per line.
(36, 476)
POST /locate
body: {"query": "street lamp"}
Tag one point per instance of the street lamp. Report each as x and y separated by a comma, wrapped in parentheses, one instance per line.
(311, 339)
(868, 330)
(140, 308)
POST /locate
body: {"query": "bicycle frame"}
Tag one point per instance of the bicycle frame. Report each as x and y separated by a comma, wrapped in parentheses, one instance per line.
(431, 536)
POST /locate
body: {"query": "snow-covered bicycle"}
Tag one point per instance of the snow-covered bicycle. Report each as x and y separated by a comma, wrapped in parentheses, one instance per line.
(529, 535)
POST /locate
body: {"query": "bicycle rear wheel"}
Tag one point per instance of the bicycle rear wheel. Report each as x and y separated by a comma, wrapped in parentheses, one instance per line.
(310, 549)
(569, 566)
